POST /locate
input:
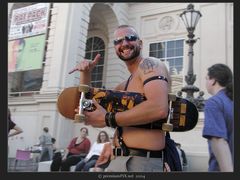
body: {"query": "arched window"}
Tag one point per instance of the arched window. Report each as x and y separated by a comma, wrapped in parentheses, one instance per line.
(94, 46)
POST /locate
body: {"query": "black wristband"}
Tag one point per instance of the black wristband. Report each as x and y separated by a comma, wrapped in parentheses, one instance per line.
(107, 119)
(113, 122)
(110, 119)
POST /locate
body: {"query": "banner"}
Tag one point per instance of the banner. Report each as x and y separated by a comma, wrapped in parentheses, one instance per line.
(26, 53)
(29, 21)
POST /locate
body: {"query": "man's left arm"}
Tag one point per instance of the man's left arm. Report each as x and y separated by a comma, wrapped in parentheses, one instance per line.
(156, 92)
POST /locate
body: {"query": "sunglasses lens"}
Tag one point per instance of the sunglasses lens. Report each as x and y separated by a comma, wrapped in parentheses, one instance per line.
(117, 41)
(127, 38)
(131, 38)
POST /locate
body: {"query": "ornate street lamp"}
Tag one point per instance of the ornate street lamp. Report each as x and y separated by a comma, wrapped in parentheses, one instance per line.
(190, 18)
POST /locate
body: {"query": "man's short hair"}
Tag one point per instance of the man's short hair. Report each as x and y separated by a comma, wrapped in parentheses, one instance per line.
(128, 26)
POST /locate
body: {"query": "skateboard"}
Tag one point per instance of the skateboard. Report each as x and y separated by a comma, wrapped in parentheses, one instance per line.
(182, 116)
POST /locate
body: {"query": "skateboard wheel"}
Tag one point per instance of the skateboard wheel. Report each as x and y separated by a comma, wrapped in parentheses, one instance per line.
(79, 118)
(167, 127)
(172, 97)
(83, 88)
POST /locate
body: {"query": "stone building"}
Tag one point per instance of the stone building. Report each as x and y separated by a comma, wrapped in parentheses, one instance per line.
(79, 30)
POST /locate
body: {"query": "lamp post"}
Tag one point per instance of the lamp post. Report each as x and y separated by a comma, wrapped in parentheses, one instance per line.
(190, 18)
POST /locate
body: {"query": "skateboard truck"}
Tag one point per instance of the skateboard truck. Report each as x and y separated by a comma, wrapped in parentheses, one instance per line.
(83, 103)
(168, 126)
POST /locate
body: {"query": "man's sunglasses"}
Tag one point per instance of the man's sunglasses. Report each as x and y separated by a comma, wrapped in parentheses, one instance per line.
(127, 38)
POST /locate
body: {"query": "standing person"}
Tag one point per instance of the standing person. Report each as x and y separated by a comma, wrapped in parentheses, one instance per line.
(94, 153)
(218, 125)
(12, 126)
(75, 152)
(182, 155)
(138, 143)
(46, 144)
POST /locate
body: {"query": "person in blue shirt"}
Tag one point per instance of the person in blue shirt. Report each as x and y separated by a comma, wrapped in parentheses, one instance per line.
(218, 125)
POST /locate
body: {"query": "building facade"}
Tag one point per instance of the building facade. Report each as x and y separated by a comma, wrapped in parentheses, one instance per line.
(80, 30)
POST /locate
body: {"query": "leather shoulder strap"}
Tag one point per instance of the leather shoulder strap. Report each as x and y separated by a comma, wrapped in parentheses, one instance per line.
(130, 77)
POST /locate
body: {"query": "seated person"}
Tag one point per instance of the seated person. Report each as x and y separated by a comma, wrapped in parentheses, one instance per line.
(94, 153)
(76, 151)
(104, 158)
(13, 127)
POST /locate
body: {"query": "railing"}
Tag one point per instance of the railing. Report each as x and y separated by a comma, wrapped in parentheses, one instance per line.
(24, 93)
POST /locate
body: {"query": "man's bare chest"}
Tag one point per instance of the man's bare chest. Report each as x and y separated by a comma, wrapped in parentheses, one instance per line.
(135, 85)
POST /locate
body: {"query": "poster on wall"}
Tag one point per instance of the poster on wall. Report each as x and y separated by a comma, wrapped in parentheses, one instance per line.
(29, 21)
(26, 53)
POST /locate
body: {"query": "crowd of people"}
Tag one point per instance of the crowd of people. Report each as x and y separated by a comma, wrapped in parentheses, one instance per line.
(84, 155)
(131, 153)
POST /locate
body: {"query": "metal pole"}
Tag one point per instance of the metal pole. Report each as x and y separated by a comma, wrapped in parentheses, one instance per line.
(190, 78)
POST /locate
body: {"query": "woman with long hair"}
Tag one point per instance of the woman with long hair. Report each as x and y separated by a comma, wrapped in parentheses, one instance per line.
(94, 153)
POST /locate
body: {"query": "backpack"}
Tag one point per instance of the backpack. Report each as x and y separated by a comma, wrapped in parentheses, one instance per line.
(170, 154)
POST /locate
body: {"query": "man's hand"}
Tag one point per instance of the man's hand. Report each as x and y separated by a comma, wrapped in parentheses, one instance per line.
(95, 118)
(86, 65)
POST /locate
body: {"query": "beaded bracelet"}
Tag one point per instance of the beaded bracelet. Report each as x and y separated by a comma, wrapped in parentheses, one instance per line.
(113, 122)
(110, 119)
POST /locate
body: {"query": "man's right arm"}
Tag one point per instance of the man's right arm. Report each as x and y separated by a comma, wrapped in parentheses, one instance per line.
(85, 67)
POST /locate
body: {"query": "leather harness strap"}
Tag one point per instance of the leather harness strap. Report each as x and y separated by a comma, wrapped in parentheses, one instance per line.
(154, 78)
(120, 131)
(125, 149)
(121, 142)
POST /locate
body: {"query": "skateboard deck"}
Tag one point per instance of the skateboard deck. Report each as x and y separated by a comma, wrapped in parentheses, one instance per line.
(183, 114)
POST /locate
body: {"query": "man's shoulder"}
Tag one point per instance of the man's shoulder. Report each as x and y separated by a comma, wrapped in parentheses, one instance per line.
(152, 63)
(151, 59)
(219, 98)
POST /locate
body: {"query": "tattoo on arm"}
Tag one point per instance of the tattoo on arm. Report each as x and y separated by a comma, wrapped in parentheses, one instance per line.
(148, 65)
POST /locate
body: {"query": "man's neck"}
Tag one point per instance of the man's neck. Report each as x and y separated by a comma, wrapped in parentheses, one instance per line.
(217, 89)
(133, 65)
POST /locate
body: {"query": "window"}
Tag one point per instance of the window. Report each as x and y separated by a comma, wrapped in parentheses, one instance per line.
(94, 46)
(171, 52)
(26, 80)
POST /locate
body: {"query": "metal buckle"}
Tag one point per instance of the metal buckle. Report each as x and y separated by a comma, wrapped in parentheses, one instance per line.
(148, 154)
(116, 151)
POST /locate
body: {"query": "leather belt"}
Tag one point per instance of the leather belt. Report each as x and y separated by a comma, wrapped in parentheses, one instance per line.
(138, 152)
